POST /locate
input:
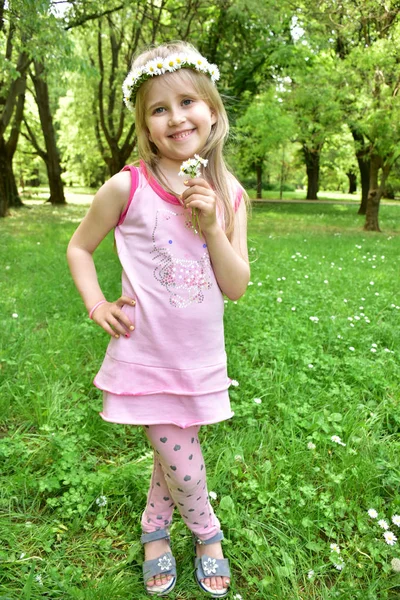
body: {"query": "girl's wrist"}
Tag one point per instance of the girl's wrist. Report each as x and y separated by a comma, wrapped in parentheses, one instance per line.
(95, 307)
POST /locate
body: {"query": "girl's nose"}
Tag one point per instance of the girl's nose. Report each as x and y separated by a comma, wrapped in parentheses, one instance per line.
(176, 119)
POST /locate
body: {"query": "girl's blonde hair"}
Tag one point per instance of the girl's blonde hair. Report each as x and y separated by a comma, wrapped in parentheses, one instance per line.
(217, 173)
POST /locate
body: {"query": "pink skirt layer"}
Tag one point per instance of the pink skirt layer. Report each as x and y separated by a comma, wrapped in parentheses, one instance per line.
(163, 409)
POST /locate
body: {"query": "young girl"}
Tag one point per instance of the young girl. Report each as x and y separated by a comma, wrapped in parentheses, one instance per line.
(182, 245)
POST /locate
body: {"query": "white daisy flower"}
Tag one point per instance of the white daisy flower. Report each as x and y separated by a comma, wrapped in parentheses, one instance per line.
(372, 513)
(15, 315)
(311, 446)
(335, 548)
(337, 440)
(382, 523)
(396, 520)
(234, 383)
(339, 566)
(279, 299)
(212, 495)
(310, 574)
(351, 348)
(390, 538)
(214, 72)
(257, 400)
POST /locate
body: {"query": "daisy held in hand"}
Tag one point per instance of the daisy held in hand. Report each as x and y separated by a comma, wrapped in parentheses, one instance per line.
(192, 168)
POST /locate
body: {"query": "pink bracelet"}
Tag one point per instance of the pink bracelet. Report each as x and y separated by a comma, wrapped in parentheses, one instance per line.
(96, 306)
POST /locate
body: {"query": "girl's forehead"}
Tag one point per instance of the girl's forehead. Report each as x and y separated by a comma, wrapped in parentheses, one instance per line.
(167, 85)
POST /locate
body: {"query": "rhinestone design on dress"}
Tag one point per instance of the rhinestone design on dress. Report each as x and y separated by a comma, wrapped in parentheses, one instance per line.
(186, 280)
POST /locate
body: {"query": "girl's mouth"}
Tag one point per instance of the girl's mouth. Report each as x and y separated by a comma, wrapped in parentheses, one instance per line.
(181, 135)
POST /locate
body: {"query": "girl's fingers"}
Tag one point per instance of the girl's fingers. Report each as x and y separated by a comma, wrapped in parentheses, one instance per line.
(125, 300)
(112, 319)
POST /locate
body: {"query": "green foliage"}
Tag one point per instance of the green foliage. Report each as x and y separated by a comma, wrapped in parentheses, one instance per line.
(73, 486)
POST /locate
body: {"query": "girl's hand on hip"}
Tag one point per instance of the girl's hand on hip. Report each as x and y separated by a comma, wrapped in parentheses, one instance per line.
(112, 319)
(200, 195)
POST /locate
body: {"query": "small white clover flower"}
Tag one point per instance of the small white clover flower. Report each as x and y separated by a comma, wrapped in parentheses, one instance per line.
(310, 574)
(293, 308)
(238, 458)
(339, 566)
(250, 283)
(314, 319)
(371, 283)
(8, 267)
(351, 348)
(373, 349)
(337, 440)
(374, 345)
(259, 284)
(310, 366)
(396, 520)
(237, 597)
(390, 538)
(257, 400)
(279, 299)
(212, 495)
(234, 383)
(395, 562)
(101, 501)
(311, 446)
(38, 578)
(382, 523)
(372, 513)
(335, 548)
(326, 281)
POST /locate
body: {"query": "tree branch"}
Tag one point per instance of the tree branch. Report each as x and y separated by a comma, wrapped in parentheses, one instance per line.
(32, 138)
(84, 19)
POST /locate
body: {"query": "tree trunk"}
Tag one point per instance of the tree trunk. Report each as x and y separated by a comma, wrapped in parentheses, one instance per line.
(374, 195)
(352, 182)
(364, 164)
(51, 156)
(312, 156)
(4, 183)
(258, 169)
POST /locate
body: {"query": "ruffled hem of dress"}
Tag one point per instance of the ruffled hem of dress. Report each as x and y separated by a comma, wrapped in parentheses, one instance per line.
(161, 391)
(167, 422)
(134, 379)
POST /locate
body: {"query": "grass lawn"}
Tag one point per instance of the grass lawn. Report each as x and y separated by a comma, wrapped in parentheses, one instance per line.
(314, 346)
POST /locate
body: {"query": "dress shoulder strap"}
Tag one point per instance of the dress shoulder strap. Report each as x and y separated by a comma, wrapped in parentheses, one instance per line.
(134, 185)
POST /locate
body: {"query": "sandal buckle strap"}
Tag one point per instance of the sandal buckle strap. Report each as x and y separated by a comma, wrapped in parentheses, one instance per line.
(160, 534)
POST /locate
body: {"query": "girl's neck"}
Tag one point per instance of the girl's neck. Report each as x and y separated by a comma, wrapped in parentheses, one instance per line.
(170, 172)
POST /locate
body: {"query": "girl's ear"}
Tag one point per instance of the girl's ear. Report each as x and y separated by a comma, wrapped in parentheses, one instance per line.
(214, 117)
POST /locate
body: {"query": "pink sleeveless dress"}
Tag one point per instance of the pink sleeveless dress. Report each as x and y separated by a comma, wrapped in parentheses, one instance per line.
(172, 369)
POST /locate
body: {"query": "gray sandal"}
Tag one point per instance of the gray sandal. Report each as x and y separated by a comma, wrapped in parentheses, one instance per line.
(163, 565)
(206, 566)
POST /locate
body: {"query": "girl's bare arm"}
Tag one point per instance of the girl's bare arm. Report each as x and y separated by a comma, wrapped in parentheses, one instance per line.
(103, 215)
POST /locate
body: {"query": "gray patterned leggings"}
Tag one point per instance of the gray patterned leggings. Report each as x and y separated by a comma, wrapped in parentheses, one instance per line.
(178, 479)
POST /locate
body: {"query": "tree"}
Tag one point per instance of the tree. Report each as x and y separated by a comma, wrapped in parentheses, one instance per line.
(264, 129)
(364, 38)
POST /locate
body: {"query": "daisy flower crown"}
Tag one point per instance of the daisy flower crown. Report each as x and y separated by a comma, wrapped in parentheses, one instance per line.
(159, 66)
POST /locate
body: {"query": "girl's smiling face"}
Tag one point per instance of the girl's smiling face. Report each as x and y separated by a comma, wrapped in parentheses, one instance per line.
(179, 122)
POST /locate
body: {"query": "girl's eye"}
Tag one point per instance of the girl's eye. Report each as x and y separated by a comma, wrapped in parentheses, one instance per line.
(158, 110)
(187, 102)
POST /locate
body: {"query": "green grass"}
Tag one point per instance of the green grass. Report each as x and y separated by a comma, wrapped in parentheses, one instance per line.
(281, 503)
